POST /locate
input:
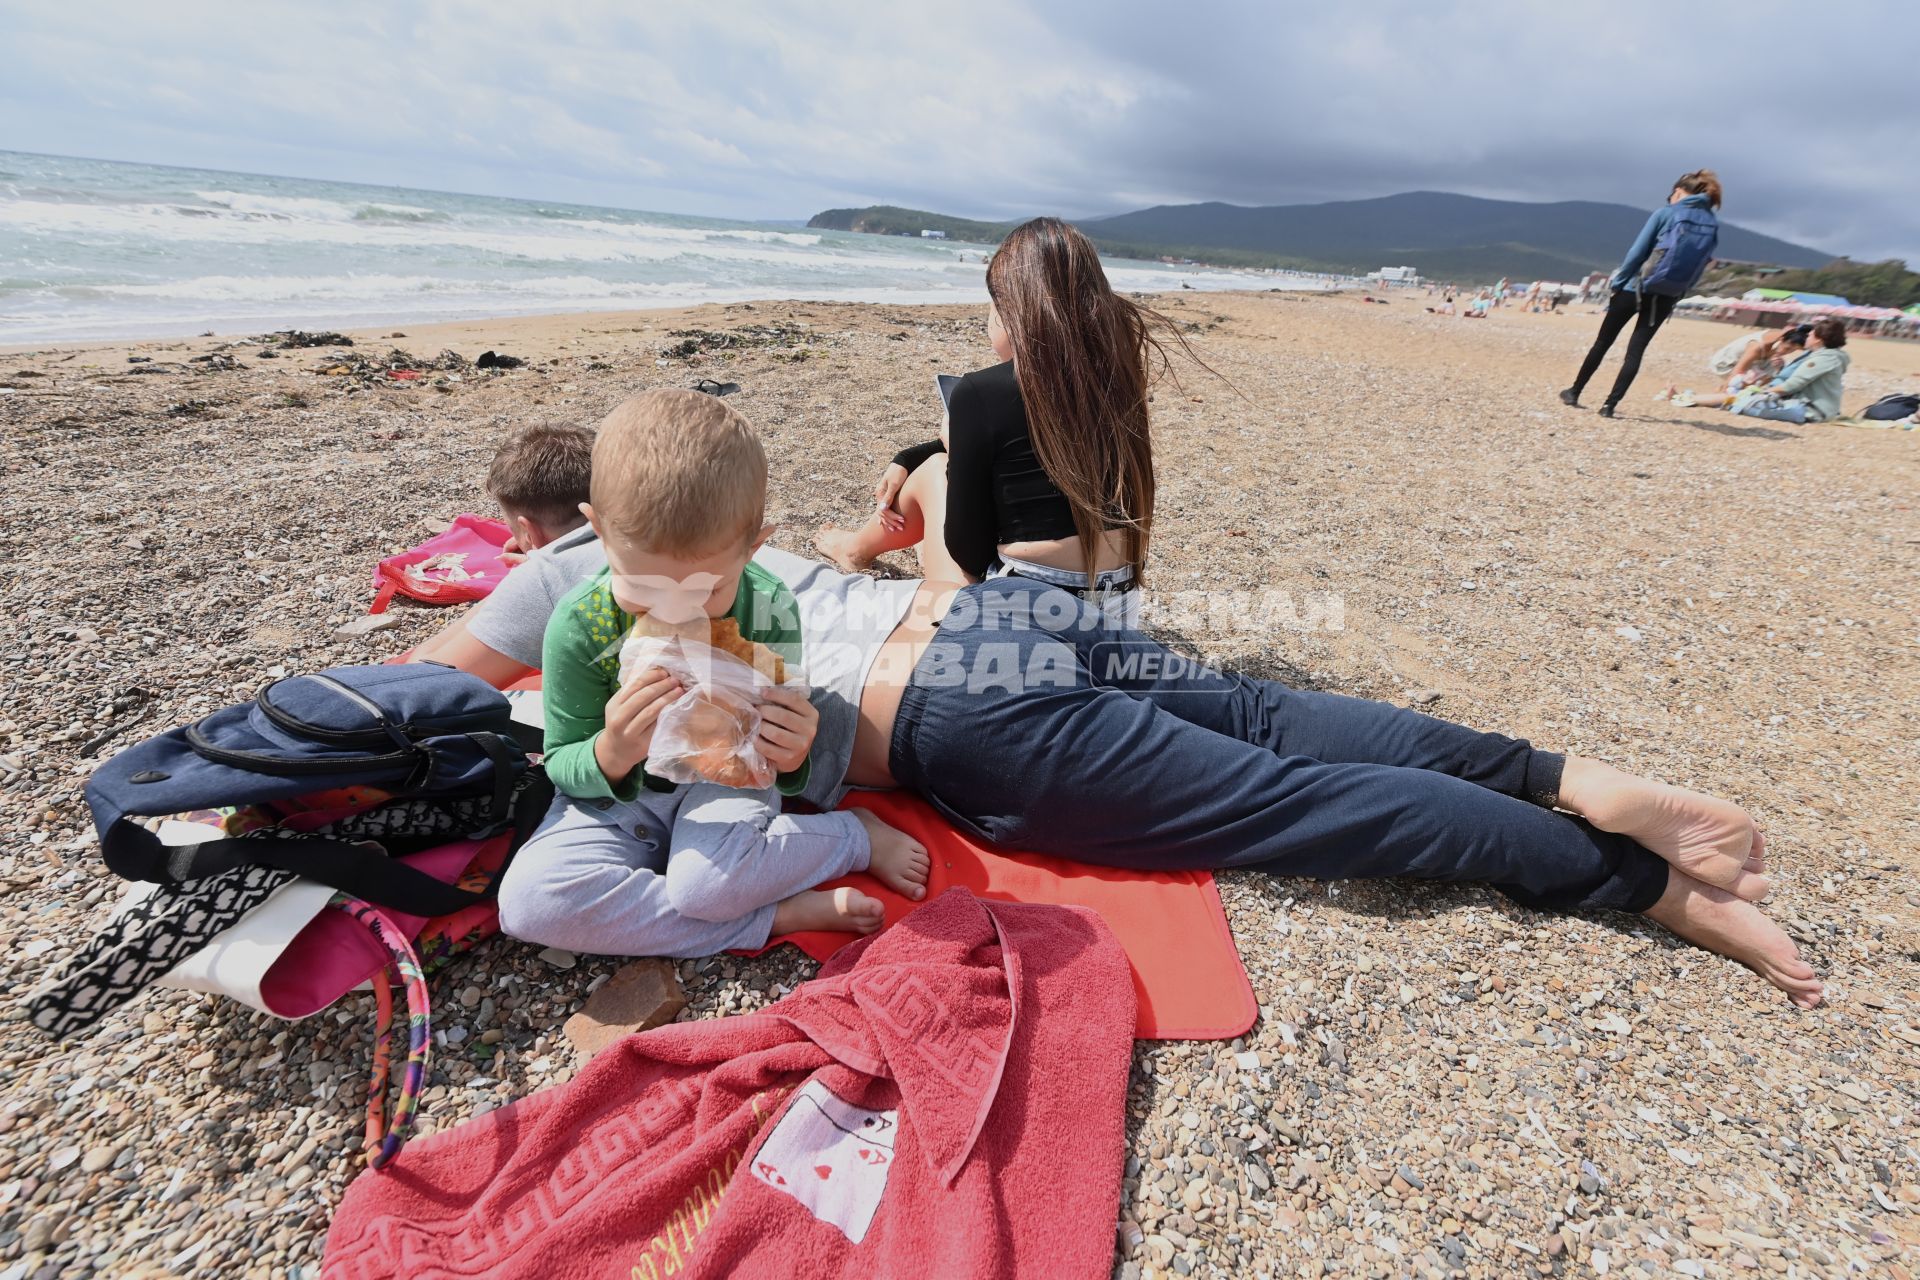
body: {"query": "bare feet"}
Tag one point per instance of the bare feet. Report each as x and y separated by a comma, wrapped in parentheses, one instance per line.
(899, 861)
(1710, 839)
(837, 546)
(1715, 919)
(842, 910)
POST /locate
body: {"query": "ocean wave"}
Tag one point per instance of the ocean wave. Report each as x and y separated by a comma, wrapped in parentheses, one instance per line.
(607, 242)
(398, 213)
(768, 237)
(659, 231)
(371, 288)
(279, 206)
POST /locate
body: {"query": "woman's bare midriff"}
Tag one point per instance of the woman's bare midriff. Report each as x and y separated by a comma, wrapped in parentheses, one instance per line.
(887, 680)
(1064, 553)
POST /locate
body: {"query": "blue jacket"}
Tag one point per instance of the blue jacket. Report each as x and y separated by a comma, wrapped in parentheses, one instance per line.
(1628, 276)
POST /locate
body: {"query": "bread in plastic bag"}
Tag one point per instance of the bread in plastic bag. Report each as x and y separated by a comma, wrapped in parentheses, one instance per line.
(710, 733)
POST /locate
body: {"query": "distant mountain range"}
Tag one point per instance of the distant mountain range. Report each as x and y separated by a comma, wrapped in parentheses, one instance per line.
(1445, 236)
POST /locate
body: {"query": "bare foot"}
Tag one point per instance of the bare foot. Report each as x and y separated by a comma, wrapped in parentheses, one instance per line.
(1710, 839)
(899, 861)
(1715, 919)
(837, 546)
(842, 910)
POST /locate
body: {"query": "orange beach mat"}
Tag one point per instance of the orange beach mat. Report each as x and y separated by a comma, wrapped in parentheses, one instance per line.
(1187, 972)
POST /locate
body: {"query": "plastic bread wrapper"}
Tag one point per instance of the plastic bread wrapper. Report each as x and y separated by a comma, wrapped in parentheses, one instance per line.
(710, 733)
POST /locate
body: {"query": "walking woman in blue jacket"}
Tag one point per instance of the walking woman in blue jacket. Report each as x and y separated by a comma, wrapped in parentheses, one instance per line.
(1674, 249)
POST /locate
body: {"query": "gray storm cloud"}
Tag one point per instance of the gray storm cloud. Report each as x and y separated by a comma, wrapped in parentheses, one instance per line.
(767, 110)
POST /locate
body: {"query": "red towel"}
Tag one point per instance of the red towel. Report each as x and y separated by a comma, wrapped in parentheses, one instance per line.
(1188, 980)
(948, 1098)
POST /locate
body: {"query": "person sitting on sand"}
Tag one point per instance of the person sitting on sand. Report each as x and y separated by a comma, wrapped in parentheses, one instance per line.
(1809, 389)
(1029, 723)
(1764, 357)
(626, 863)
(1755, 358)
(539, 478)
(1045, 466)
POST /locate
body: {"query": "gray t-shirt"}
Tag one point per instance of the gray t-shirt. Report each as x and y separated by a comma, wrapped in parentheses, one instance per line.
(844, 619)
(513, 618)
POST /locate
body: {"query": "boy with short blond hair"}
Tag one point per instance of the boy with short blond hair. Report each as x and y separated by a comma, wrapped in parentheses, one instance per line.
(626, 863)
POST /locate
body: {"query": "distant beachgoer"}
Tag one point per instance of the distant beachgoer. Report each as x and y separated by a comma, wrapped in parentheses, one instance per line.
(1746, 362)
(1809, 389)
(1757, 357)
(1661, 268)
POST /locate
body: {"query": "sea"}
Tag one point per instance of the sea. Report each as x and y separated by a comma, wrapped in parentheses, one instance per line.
(103, 249)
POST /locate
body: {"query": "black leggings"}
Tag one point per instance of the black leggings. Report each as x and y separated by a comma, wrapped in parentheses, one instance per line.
(1648, 312)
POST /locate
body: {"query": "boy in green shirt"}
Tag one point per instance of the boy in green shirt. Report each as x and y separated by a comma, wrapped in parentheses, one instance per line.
(626, 863)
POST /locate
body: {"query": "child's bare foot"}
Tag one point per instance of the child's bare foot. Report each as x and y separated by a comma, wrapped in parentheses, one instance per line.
(899, 861)
(1710, 839)
(1715, 919)
(837, 546)
(842, 910)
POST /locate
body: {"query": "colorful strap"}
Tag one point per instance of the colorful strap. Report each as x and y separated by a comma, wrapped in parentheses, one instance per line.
(382, 983)
(419, 1034)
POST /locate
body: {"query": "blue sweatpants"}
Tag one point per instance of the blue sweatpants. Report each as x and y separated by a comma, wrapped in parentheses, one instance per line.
(1032, 725)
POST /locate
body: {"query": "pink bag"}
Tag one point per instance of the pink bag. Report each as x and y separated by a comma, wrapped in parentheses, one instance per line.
(335, 953)
(461, 565)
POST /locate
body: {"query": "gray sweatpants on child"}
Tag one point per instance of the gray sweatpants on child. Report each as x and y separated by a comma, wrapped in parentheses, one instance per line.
(689, 872)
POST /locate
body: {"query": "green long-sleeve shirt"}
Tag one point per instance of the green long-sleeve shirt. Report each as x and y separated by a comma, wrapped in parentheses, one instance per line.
(580, 670)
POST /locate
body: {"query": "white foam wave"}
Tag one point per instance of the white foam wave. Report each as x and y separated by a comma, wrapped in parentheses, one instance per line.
(608, 242)
(279, 206)
(295, 290)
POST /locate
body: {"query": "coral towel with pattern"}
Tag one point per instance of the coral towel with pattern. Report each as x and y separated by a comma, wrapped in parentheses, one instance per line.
(947, 1098)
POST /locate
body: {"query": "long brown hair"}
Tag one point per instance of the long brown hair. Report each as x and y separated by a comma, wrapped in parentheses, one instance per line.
(1080, 356)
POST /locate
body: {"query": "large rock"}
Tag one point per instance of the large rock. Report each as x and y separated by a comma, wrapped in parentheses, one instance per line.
(643, 995)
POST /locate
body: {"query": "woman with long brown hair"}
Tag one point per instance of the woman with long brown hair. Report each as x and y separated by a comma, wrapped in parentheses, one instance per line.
(1045, 467)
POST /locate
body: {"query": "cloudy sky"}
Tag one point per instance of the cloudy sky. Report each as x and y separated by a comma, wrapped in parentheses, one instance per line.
(747, 109)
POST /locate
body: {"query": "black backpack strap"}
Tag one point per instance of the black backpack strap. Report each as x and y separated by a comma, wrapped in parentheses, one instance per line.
(505, 757)
(364, 871)
(533, 799)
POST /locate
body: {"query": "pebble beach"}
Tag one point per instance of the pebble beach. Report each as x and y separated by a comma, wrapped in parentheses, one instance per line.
(1440, 1083)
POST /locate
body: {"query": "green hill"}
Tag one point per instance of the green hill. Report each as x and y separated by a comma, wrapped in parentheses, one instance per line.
(1444, 236)
(891, 220)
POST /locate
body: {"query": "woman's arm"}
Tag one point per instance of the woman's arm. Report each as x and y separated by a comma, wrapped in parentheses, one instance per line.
(972, 530)
(919, 453)
(1642, 248)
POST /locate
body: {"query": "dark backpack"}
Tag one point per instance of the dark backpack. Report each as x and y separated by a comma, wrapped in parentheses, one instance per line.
(432, 748)
(1683, 251)
(1892, 408)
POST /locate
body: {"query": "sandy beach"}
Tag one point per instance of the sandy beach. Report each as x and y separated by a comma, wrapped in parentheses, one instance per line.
(1440, 1082)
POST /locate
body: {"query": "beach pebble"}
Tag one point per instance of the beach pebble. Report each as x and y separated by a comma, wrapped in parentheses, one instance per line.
(367, 624)
(98, 1158)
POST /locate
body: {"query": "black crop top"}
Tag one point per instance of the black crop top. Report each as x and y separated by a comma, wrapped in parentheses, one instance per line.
(997, 491)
